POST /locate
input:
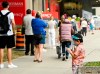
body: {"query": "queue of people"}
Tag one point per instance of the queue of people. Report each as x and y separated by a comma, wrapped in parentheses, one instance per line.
(35, 35)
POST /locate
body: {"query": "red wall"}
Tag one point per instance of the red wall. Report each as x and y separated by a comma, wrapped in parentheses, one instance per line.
(18, 7)
(54, 8)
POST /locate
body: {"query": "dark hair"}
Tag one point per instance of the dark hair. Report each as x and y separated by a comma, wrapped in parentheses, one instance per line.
(79, 36)
(38, 15)
(5, 4)
(28, 11)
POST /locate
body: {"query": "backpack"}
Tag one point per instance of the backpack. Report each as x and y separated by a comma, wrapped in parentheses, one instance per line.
(4, 24)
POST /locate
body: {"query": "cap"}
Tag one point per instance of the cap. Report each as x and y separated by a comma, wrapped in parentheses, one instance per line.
(76, 38)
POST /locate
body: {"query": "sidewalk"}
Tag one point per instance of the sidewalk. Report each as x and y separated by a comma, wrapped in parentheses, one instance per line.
(92, 45)
(52, 65)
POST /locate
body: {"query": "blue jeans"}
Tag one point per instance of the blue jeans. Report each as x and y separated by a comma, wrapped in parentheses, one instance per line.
(65, 44)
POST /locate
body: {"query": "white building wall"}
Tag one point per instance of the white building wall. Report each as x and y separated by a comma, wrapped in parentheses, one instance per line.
(38, 5)
(97, 9)
(34, 4)
(29, 4)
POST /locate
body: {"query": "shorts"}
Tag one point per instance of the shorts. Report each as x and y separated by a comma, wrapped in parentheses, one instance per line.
(7, 41)
(39, 41)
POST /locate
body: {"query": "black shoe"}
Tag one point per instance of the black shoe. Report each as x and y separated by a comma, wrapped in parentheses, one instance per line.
(26, 54)
(66, 57)
(63, 59)
(31, 54)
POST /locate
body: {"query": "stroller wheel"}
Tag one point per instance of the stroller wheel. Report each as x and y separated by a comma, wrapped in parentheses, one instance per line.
(59, 56)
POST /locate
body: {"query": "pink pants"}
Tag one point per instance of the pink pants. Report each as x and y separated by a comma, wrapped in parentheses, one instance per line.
(75, 69)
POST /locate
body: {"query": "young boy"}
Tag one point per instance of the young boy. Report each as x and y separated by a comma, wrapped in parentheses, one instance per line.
(78, 54)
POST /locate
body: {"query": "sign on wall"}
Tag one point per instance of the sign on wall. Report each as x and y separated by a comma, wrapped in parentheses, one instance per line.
(86, 14)
(18, 7)
(48, 14)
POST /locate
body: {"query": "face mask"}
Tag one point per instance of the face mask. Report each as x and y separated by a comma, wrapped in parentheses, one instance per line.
(75, 44)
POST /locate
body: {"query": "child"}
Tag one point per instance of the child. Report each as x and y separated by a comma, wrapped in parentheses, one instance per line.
(78, 54)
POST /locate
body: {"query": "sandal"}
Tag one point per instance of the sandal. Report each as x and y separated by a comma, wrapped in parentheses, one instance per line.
(35, 60)
(39, 61)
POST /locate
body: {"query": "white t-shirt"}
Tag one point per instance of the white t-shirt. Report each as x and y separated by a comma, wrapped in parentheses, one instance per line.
(84, 24)
(27, 23)
(52, 24)
(10, 17)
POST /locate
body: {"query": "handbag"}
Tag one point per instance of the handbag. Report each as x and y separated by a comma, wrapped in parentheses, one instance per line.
(23, 30)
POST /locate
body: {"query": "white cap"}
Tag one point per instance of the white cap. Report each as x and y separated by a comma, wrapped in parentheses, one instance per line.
(74, 16)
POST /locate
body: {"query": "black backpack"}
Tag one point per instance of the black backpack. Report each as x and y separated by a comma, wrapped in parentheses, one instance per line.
(4, 24)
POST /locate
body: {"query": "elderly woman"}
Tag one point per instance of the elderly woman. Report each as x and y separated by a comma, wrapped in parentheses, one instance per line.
(38, 26)
(65, 31)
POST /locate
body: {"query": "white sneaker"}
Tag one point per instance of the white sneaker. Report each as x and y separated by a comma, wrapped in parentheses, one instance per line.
(1, 66)
(12, 66)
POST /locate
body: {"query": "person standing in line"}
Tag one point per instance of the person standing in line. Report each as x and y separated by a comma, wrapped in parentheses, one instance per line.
(78, 54)
(38, 27)
(51, 31)
(7, 39)
(84, 26)
(28, 32)
(65, 31)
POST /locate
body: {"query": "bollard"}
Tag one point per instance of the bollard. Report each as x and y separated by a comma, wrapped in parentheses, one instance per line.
(20, 41)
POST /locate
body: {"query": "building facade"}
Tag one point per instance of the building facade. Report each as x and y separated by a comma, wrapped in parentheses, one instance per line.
(48, 7)
(38, 5)
(96, 7)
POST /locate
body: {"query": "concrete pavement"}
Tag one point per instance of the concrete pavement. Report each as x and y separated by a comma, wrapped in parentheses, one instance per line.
(52, 65)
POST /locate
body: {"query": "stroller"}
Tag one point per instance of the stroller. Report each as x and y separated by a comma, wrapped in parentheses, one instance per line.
(58, 50)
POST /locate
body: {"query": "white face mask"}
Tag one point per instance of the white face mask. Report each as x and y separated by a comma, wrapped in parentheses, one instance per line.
(75, 44)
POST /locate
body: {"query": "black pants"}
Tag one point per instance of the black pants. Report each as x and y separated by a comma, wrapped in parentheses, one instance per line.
(84, 31)
(29, 44)
(75, 29)
(65, 44)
